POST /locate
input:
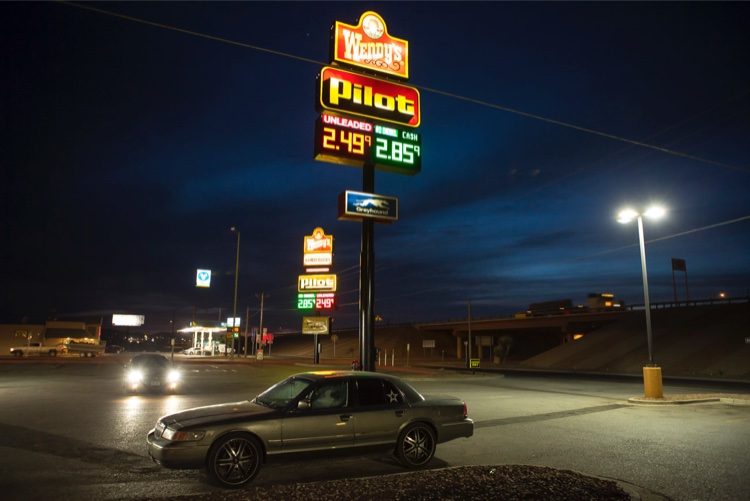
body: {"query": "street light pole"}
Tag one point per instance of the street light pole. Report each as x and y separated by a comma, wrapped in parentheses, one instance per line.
(236, 281)
(646, 302)
(652, 381)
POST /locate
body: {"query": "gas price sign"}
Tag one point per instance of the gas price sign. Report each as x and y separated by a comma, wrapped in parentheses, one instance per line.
(355, 142)
(316, 300)
(397, 150)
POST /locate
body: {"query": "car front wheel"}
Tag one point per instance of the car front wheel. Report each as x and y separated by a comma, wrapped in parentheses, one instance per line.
(416, 445)
(234, 460)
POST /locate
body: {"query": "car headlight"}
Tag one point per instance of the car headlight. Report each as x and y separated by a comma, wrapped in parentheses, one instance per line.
(135, 376)
(173, 376)
(182, 436)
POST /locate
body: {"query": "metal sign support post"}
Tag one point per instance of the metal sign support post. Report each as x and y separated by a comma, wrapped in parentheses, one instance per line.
(367, 280)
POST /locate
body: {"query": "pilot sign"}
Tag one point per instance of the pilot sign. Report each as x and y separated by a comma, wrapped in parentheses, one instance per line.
(355, 206)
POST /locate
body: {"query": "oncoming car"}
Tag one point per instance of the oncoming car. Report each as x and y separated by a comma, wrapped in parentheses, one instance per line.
(308, 413)
(197, 350)
(150, 372)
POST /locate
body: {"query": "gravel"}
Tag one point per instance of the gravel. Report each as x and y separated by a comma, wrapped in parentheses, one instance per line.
(475, 483)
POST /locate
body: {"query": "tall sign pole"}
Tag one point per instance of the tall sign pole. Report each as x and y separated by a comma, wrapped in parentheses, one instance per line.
(367, 280)
(367, 120)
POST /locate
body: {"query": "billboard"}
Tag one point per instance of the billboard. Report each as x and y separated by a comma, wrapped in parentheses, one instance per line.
(128, 320)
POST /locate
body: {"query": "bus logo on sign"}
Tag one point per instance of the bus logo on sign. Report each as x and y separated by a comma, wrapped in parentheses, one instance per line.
(346, 92)
(356, 206)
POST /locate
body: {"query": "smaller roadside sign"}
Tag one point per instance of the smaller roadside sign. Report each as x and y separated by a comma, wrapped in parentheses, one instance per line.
(474, 363)
(356, 206)
(315, 325)
(203, 278)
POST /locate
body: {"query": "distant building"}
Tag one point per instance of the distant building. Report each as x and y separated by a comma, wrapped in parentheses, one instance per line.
(51, 333)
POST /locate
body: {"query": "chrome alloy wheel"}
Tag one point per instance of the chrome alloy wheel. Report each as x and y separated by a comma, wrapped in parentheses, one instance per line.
(234, 460)
(416, 445)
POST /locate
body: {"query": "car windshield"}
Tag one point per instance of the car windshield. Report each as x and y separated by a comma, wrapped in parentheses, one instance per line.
(280, 394)
(156, 362)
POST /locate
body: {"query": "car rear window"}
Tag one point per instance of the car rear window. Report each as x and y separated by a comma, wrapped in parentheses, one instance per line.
(374, 391)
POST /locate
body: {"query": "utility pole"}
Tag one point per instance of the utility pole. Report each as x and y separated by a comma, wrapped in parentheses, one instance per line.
(247, 321)
(236, 280)
(262, 297)
(468, 358)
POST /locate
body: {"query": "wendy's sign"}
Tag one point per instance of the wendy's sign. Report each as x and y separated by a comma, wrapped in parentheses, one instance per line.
(368, 46)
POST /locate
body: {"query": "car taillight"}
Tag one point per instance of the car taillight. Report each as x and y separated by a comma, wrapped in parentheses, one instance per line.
(466, 411)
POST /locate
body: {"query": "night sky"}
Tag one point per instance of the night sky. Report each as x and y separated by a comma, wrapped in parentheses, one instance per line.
(130, 147)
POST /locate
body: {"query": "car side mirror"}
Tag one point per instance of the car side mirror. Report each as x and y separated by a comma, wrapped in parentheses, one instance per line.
(303, 404)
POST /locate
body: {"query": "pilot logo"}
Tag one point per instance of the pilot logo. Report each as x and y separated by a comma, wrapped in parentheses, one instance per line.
(343, 91)
(312, 283)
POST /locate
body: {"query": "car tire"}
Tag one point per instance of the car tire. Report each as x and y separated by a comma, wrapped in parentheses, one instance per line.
(52, 353)
(416, 445)
(82, 354)
(18, 353)
(234, 460)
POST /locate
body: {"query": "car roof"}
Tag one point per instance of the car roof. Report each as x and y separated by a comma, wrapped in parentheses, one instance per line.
(316, 375)
(148, 356)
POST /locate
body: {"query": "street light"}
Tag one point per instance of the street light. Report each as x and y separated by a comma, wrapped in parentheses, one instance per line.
(236, 279)
(651, 373)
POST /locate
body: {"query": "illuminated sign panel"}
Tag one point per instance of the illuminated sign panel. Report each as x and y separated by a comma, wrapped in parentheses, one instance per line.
(128, 320)
(397, 150)
(318, 259)
(203, 278)
(355, 206)
(356, 143)
(316, 283)
(368, 45)
(342, 141)
(351, 93)
(315, 325)
(318, 242)
(316, 301)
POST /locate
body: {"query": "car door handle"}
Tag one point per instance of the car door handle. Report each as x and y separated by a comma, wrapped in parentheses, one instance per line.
(400, 413)
(345, 417)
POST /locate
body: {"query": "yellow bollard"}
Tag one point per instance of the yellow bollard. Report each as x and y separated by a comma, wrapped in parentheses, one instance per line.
(652, 387)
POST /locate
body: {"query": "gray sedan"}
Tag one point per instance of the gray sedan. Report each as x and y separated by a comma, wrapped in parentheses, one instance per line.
(309, 413)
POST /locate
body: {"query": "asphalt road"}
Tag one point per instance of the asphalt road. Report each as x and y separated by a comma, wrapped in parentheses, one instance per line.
(68, 431)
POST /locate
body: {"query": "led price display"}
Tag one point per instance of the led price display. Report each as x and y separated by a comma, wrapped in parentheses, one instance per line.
(342, 141)
(397, 150)
(316, 301)
(355, 142)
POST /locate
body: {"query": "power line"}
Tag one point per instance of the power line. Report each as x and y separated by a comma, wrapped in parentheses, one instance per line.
(427, 89)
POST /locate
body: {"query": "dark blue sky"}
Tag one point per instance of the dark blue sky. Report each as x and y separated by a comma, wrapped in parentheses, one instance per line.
(130, 149)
